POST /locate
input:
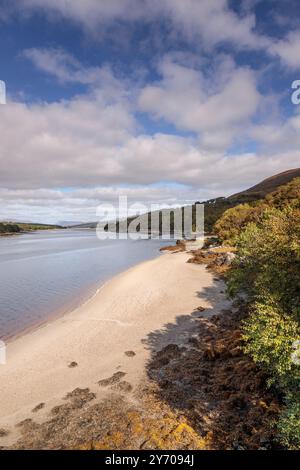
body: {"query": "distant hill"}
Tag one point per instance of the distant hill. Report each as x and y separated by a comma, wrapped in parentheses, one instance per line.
(69, 223)
(269, 185)
(215, 208)
(9, 228)
(18, 227)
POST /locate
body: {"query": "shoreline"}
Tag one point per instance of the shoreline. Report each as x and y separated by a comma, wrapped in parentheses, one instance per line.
(84, 298)
(121, 316)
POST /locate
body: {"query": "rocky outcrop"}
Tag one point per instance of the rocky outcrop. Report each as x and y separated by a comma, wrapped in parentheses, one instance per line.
(179, 246)
(218, 259)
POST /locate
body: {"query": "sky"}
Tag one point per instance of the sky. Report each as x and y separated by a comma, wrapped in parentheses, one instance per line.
(165, 101)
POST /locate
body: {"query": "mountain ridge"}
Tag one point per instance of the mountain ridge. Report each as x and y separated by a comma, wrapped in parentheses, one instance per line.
(271, 183)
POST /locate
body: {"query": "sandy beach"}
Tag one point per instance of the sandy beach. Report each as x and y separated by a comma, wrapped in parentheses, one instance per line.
(122, 316)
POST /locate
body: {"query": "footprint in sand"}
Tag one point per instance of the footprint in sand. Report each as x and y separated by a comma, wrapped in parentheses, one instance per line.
(72, 364)
(130, 353)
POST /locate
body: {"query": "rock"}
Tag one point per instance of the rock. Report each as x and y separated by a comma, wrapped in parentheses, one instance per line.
(25, 422)
(225, 259)
(3, 432)
(200, 309)
(172, 349)
(115, 378)
(193, 341)
(123, 386)
(209, 353)
(80, 396)
(229, 258)
(72, 365)
(38, 407)
(130, 353)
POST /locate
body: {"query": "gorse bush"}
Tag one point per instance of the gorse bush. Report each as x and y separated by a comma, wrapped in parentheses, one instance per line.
(267, 269)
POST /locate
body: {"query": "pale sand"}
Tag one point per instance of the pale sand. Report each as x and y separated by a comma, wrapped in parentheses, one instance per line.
(118, 318)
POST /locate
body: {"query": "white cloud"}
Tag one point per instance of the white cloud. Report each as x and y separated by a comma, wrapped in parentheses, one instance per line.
(288, 50)
(80, 205)
(278, 135)
(213, 21)
(88, 13)
(213, 107)
(94, 141)
(216, 176)
(63, 66)
(210, 20)
(206, 23)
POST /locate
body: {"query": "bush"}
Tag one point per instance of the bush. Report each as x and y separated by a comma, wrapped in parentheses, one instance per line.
(269, 335)
(268, 260)
(288, 426)
(267, 269)
(234, 220)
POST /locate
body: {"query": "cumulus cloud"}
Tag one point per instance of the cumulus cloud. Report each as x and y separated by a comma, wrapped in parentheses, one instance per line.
(217, 175)
(214, 108)
(208, 23)
(279, 135)
(81, 204)
(95, 141)
(63, 66)
(288, 50)
(211, 20)
(88, 13)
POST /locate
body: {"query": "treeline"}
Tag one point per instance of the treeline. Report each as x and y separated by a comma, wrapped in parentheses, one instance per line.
(266, 235)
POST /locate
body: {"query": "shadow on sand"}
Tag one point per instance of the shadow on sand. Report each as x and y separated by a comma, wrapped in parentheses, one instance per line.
(198, 369)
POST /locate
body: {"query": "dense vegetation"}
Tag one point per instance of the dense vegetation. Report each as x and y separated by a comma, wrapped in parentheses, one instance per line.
(267, 268)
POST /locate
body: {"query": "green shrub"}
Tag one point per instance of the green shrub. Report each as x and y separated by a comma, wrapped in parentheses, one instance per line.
(267, 265)
(269, 336)
(267, 269)
(234, 220)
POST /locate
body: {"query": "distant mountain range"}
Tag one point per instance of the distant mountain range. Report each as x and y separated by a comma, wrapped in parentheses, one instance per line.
(214, 208)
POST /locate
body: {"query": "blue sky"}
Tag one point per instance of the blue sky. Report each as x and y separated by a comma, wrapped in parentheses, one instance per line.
(167, 101)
